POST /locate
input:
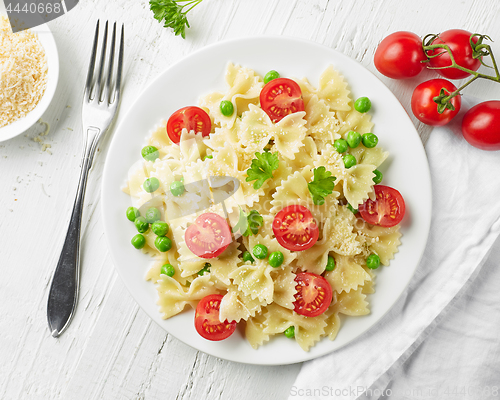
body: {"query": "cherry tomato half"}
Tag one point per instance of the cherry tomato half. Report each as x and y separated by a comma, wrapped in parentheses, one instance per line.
(426, 109)
(295, 228)
(192, 118)
(314, 294)
(387, 210)
(206, 319)
(400, 55)
(481, 125)
(281, 97)
(459, 44)
(209, 236)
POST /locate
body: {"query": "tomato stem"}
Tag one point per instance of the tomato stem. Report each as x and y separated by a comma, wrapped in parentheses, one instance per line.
(480, 49)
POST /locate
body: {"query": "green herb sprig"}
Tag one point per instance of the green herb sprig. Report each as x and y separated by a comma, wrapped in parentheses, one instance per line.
(249, 224)
(262, 168)
(173, 12)
(321, 186)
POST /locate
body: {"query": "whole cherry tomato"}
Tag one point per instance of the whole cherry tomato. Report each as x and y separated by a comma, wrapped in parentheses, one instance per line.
(426, 109)
(481, 125)
(458, 41)
(400, 55)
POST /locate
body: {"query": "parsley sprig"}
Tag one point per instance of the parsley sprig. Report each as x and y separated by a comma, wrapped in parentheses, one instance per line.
(262, 168)
(249, 224)
(172, 11)
(321, 186)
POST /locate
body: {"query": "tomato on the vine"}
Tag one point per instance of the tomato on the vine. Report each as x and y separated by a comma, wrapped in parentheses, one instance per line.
(314, 294)
(426, 109)
(481, 125)
(295, 228)
(206, 320)
(400, 55)
(387, 210)
(281, 97)
(192, 118)
(458, 41)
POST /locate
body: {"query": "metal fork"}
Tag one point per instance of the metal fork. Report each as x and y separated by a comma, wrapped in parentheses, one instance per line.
(100, 104)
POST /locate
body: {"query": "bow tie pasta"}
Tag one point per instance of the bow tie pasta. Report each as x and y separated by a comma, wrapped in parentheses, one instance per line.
(263, 207)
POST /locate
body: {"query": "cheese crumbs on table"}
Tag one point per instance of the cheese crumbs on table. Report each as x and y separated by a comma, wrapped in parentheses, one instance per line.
(23, 73)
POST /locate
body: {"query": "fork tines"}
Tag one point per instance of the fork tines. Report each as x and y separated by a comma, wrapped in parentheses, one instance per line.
(100, 89)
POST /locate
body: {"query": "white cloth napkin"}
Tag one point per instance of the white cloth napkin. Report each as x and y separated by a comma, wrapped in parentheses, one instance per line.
(465, 225)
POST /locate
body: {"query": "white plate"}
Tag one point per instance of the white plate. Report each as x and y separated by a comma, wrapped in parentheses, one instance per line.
(202, 72)
(21, 125)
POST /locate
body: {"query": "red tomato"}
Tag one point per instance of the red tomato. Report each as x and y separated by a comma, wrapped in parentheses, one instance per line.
(459, 44)
(295, 228)
(192, 118)
(314, 294)
(281, 97)
(426, 109)
(206, 319)
(481, 125)
(209, 236)
(400, 55)
(387, 210)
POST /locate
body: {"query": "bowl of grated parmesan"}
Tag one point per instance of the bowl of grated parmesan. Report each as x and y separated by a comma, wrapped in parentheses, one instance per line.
(29, 71)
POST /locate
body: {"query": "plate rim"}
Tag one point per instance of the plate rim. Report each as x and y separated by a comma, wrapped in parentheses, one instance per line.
(421, 149)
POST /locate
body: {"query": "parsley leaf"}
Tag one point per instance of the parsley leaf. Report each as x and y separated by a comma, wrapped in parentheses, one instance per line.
(262, 168)
(321, 186)
(172, 12)
(249, 224)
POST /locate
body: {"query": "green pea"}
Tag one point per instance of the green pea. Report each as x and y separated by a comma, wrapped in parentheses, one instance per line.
(159, 228)
(153, 215)
(260, 251)
(378, 176)
(362, 105)
(352, 209)
(207, 157)
(271, 75)
(141, 224)
(340, 145)
(226, 108)
(353, 139)
(248, 257)
(168, 269)
(151, 184)
(330, 264)
(138, 241)
(373, 261)
(177, 188)
(370, 140)
(163, 243)
(150, 153)
(276, 258)
(132, 213)
(290, 332)
(205, 269)
(349, 161)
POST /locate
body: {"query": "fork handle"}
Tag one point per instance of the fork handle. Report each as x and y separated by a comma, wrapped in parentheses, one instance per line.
(63, 294)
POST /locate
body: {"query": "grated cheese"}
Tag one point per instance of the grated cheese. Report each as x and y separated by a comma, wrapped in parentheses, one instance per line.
(23, 73)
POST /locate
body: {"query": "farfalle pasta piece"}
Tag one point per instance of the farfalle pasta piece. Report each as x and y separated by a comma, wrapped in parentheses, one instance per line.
(255, 280)
(354, 121)
(308, 330)
(353, 303)
(236, 306)
(244, 88)
(347, 275)
(333, 90)
(257, 130)
(357, 181)
(322, 124)
(272, 246)
(173, 297)
(332, 319)
(382, 241)
(284, 287)
(254, 331)
(374, 156)
(222, 266)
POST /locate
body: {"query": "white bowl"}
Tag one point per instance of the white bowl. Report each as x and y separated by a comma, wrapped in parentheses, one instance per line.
(22, 124)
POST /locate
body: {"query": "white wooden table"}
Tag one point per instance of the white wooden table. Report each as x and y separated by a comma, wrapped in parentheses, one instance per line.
(112, 350)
